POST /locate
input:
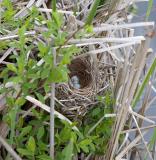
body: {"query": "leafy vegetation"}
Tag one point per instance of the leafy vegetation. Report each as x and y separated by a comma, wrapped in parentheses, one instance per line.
(37, 47)
(29, 133)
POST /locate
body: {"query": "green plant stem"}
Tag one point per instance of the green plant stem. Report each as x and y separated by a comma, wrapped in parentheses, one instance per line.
(54, 5)
(92, 12)
(96, 124)
(149, 8)
(143, 85)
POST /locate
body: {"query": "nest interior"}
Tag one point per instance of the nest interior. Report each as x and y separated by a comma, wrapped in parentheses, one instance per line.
(80, 74)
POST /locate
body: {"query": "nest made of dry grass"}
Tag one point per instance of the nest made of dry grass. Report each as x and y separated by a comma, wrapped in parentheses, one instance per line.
(93, 81)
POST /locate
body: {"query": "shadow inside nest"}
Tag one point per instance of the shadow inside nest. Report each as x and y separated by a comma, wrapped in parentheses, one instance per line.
(80, 74)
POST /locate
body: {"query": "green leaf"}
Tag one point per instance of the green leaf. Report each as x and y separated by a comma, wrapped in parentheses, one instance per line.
(96, 111)
(21, 33)
(20, 101)
(3, 45)
(12, 67)
(58, 74)
(21, 63)
(66, 59)
(42, 146)
(85, 142)
(84, 148)
(20, 122)
(31, 145)
(44, 157)
(43, 49)
(46, 87)
(60, 38)
(65, 134)
(16, 79)
(67, 54)
(4, 73)
(92, 12)
(34, 12)
(9, 12)
(33, 73)
(40, 97)
(57, 19)
(84, 145)
(144, 83)
(12, 116)
(45, 73)
(150, 5)
(108, 99)
(40, 133)
(92, 146)
(24, 152)
(68, 151)
(54, 5)
(48, 59)
(25, 131)
(7, 4)
(10, 101)
(89, 29)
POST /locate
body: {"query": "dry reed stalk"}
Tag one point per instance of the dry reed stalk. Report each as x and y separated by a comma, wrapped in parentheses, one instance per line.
(135, 129)
(46, 108)
(52, 110)
(97, 51)
(108, 27)
(59, 11)
(141, 117)
(130, 145)
(142, 113)
(129, 86)
(4, 129)
(6, 54)
(106, 40)
(140, 133)
(9, 149)
(9, 37)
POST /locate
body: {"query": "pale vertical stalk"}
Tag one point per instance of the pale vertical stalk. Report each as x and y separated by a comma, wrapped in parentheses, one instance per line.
(52, 107)
(129, 87)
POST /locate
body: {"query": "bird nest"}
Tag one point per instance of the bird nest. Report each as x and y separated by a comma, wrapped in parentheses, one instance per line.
(86, 81)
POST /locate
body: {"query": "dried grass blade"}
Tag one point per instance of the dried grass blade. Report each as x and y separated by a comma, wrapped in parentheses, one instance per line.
(110, 48)
(142, 137)
(52, 109)
(131, 145)
(9, 149)
(142, 117)
(108, 27)
(47, 108)
(135, 129)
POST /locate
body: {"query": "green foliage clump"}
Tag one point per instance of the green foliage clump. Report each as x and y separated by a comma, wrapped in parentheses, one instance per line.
(29, 133)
